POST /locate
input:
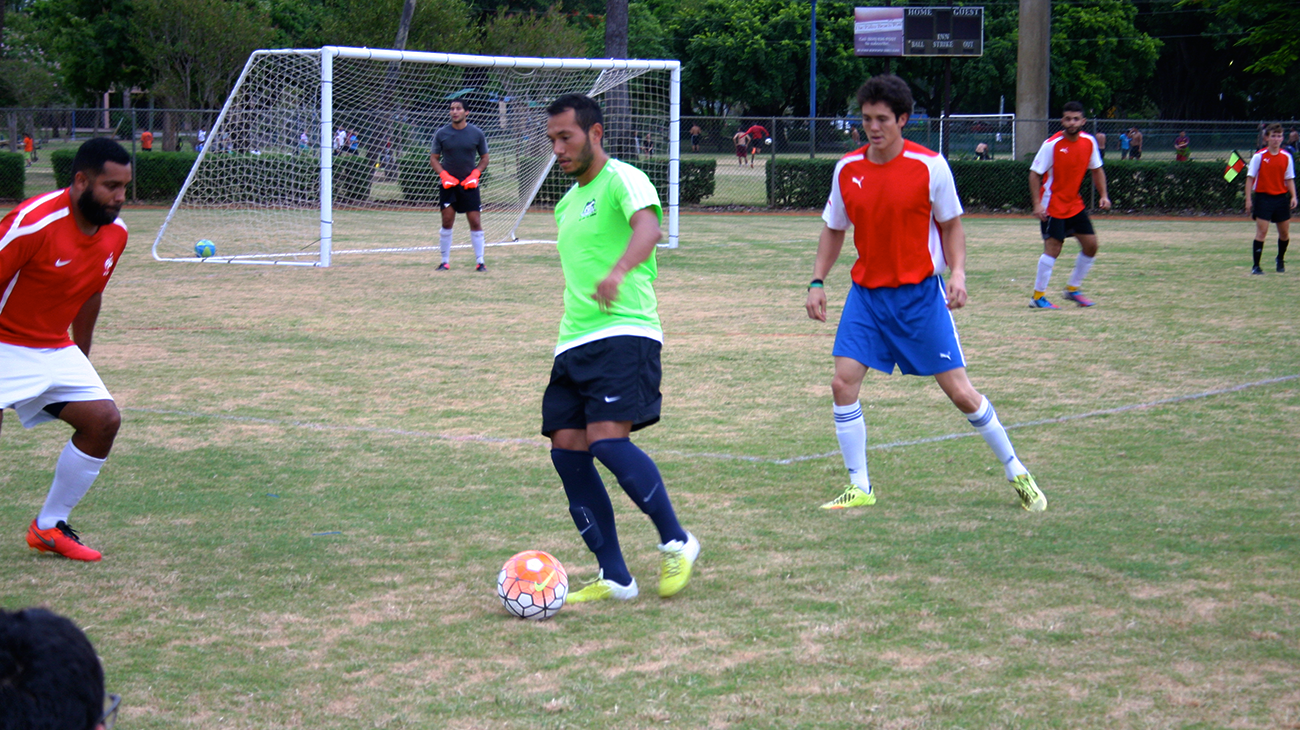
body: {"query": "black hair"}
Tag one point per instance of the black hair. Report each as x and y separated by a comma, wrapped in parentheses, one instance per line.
(586, 111)
(1072, 106)
(457, 101)
(92, 155)
(50, 676)
(889, 89)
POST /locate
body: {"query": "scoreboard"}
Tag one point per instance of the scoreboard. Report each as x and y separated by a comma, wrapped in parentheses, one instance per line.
(918, 31)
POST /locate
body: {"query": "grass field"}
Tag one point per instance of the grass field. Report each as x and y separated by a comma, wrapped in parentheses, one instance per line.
(320, 472)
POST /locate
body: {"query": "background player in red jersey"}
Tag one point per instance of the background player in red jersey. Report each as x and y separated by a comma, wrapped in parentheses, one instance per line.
(1270, 181)
(902, 203)
(1054, 181)
(57, 252)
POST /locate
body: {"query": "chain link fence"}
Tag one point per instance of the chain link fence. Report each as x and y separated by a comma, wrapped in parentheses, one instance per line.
(784, 162)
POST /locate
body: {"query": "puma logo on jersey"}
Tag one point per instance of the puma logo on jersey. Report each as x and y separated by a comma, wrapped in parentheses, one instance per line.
(61, 262)
(857, 181)
(945, 355)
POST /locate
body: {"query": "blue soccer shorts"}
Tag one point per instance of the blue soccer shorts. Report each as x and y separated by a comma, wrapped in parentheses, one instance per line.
(909, 327)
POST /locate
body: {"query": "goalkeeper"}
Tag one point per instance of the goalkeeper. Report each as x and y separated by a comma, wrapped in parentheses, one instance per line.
(460, 155)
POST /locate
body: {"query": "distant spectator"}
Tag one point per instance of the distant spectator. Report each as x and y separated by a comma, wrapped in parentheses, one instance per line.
(29, 148)
(340, 139)
(1261, 137)
(50, 677)
(856, 136)
(202, 140)
(146, 141)
(741, 138)
(695, 138)
(1123, 145)
(648, 145)
(757, 134)
(304, 142)
(1293, 143)
(1135, 144)
(353, 145)
(1101, 143)
(1182, 143)
(982, 151)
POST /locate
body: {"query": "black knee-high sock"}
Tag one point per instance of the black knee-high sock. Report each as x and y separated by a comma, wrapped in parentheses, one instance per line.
(639, 477)
(1257, 250)
(1282, 243)
(592, 513)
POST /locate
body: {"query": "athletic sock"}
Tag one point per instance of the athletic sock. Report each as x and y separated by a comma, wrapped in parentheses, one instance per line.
(639, 477)
(985, 420)
(1045, 264)
(73, 475)
(1082, 265)
(1257, 250)
(476, 238)
(592, 513)
(1282, 244)
(444, 244)
(851, 430)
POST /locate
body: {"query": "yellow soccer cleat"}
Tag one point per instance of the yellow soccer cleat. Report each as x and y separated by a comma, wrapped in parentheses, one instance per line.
(853, 496)
(603, 590)
(1030, 497)
(675, 563)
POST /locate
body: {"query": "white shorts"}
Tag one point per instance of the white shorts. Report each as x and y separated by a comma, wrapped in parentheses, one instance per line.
(34, 377)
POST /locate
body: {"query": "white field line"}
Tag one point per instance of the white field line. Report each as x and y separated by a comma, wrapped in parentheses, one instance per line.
(701, 455)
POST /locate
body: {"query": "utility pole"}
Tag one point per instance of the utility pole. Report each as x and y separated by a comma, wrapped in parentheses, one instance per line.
(404, 27)
(1032, 67)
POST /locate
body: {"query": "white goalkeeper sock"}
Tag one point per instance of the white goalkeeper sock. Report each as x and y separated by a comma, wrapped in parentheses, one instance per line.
(1082, 266)
(444, 243)
(476, 238)
(73, 475)
(1045, 264)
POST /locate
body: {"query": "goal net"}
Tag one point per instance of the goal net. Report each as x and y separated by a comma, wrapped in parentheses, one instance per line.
(326, 151)
(965, 133)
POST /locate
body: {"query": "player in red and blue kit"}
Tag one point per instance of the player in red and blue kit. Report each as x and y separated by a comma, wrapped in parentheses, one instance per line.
(902, 203)
(57, 252)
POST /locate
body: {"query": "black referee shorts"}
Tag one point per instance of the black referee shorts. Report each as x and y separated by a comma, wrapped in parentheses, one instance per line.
(1063, 228)
(612, 379)
(1271, 208)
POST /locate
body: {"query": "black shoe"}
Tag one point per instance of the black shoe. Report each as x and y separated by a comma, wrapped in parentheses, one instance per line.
(443, 267)
(1281, 267)
(1256, 271)
(481, 267)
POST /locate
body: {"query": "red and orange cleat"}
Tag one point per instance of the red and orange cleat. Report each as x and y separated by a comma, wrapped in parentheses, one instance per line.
(60, 539)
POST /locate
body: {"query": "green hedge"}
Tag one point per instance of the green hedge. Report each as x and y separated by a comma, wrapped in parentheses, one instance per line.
(1148, 187)
(696, 181)
(285, 179)
(419, 183)
(13, 175)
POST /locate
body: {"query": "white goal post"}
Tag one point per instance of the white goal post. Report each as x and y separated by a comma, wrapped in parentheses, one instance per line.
(325, 151)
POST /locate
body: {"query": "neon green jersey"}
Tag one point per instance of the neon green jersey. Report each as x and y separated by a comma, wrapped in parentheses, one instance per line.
(594, 233)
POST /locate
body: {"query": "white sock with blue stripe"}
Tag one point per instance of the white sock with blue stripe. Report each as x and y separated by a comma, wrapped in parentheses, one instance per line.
(985, 420)
(851, 430)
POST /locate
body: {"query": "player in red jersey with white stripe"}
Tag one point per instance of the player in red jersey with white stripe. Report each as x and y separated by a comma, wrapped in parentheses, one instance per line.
(57, 252)
(902, 203)
(1054, 181)
(1270, 181)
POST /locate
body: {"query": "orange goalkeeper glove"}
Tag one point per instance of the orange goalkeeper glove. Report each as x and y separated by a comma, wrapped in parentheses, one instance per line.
(447, 180)
(471, 181)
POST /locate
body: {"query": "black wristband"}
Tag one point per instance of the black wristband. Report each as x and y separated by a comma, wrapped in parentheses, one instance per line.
(816, 283)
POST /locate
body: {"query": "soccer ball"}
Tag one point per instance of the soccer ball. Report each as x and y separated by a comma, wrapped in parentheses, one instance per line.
(205, 248)
(533, 585)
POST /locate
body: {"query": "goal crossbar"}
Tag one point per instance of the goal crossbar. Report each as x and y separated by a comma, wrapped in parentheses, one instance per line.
(252, 130)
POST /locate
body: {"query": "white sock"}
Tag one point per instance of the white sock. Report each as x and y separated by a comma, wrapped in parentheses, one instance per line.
(1082, 265)
(851, 430)
(985, 420)
(444, 243)
(476, 238)
(1045, 264)
(73, 475)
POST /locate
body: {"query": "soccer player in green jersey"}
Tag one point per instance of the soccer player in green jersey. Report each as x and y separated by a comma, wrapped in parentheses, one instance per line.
(605, 380)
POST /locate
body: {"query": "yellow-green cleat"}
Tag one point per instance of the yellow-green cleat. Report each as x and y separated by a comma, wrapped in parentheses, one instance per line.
(676, 559)
(602, 590)
(1030, 497)
(853, 496)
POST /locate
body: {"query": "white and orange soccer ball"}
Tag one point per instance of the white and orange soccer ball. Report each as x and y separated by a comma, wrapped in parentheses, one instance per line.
(533, 585)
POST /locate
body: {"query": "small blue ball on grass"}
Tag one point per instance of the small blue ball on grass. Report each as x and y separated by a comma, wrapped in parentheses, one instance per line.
(205, 249)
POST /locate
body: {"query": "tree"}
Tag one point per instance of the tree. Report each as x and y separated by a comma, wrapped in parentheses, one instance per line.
(438, 25)
(197, 48)
(532, 34)
(91, 41)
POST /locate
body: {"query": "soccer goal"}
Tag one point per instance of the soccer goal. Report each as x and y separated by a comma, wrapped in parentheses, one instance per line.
(326, 151)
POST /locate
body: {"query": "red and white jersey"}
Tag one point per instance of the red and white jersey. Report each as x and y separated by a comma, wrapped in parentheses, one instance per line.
(1062, 164)
(893, 209)
(1271, 171)
(49, 268)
